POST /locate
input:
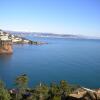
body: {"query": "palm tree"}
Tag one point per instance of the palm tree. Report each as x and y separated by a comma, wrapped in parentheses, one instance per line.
(21, 83)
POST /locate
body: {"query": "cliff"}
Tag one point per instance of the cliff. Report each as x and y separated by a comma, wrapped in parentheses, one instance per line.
(6, 47)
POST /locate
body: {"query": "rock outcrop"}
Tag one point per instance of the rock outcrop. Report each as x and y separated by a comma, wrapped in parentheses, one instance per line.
(81, 94)
(6, 47)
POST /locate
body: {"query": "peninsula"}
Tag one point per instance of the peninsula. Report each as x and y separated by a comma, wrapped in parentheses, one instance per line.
(7, 40)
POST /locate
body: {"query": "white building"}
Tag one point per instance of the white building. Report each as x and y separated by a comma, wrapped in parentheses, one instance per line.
(16, 39)
(4, 38)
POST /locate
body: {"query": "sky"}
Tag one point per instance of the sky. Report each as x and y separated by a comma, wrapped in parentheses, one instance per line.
(54, 16)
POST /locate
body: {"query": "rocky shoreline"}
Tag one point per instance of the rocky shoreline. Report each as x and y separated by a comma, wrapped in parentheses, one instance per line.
(85, 94)
(7, 40)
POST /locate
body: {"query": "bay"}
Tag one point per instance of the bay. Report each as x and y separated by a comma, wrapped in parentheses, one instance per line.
(74, 60)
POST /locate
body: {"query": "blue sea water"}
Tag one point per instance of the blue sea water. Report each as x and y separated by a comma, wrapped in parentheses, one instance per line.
(77, 61)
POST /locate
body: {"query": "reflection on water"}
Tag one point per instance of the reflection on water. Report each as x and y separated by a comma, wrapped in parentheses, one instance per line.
(5, 58)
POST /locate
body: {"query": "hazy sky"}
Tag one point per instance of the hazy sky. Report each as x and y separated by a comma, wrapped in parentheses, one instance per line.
(56, 16)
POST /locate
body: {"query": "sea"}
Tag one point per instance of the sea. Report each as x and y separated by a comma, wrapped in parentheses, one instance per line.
(75, 60)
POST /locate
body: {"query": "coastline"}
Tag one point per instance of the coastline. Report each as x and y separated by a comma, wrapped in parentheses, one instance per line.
(55, 91)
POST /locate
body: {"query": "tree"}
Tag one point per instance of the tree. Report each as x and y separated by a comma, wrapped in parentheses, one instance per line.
(54, 91)
(42, 91)
(21, 83)
(4, 94)
(65, 87)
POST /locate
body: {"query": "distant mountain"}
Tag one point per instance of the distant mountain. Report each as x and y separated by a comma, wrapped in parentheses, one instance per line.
(17, 38)
(52, 35)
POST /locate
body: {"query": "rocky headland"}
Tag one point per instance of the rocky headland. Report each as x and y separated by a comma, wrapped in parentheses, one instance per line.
(6, 47)
(7, 40)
